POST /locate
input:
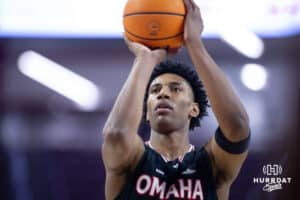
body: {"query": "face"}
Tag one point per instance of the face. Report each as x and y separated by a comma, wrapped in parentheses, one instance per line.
(170, 103)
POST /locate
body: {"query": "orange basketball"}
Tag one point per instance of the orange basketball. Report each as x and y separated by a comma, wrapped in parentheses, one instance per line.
(155, 23)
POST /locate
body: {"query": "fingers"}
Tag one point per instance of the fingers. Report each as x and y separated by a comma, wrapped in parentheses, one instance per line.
(131, 45)
(161, 54)
(190, 5)
(136, 47)
(194, 4)
(126, 40)
(185, 33)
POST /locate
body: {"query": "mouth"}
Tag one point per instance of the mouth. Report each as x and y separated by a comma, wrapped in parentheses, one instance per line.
(163, 107)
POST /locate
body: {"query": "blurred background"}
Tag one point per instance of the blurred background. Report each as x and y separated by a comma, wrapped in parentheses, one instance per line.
(62, 64)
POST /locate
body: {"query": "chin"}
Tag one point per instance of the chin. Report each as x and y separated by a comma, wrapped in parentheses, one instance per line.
(164, 127)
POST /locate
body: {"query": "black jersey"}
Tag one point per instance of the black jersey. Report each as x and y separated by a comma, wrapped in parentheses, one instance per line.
(156, 178)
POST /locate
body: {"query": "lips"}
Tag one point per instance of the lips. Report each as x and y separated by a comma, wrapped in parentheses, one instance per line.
(163, 106)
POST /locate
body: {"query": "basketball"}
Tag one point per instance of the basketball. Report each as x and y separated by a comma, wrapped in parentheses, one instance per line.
(155, 23)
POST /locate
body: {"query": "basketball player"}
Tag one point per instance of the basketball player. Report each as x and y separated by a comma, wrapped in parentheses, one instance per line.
(174, 100)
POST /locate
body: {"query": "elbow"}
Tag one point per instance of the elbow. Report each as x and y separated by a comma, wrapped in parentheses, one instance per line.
(242, 122)
(239, 127)
(243, 127)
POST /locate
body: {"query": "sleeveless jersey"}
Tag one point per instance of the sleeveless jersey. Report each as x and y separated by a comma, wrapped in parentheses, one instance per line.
(155, 178)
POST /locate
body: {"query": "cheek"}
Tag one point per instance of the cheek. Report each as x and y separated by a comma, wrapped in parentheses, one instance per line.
(149, 104)
(184, 106)
(184, 103)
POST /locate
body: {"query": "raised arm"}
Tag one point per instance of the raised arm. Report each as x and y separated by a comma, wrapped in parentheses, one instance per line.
(122, 146)
(226, 105)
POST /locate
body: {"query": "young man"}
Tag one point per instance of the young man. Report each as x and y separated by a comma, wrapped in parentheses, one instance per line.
(168, 166)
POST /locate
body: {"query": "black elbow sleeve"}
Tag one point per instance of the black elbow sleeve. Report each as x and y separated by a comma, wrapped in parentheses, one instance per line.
(231, 147)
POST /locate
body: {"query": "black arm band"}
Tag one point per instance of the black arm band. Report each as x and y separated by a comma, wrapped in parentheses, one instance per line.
(231, 147)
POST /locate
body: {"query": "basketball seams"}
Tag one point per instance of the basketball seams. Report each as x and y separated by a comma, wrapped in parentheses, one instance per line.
(155, 23)
(132, 30)
(162, 38)
(153, 13)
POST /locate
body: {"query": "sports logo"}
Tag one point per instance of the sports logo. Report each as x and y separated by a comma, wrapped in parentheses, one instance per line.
(153, 27)
(274, 170)
(273, 179)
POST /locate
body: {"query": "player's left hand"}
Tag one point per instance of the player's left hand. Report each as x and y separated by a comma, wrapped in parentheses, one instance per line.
(193, 26)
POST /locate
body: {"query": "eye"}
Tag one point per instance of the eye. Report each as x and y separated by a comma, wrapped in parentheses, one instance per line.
(176, 89)
(154, 90)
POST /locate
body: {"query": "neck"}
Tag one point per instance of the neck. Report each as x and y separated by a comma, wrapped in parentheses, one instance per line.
(172, 145)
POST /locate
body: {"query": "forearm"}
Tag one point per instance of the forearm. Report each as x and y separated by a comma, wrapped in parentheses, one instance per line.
(128, 108)
(226, 105)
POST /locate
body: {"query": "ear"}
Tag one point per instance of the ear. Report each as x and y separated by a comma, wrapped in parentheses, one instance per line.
(195, 111)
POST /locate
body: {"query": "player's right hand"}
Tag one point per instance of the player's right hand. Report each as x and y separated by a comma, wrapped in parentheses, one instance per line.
(140, 50)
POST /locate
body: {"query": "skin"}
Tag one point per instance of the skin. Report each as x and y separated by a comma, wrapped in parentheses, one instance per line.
(123, 148)
(170, 128)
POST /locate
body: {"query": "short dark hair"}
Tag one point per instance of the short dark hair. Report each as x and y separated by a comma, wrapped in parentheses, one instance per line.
(191, 76)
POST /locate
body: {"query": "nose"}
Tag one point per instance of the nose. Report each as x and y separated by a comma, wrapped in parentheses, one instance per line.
(164, 93)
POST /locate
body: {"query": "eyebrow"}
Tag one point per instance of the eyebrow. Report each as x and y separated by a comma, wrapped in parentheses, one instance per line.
(171, 83)
(175, 83)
